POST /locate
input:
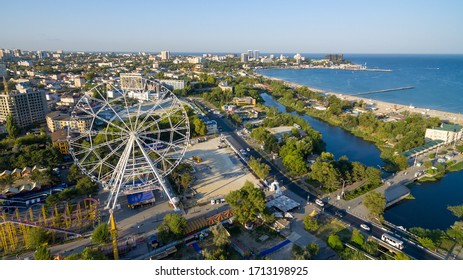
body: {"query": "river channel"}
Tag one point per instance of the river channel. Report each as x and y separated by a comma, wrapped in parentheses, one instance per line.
(338, 141)
(427, 210)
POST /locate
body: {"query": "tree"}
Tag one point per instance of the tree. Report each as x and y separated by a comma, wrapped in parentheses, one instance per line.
(261, 169)
(373, 176)
(44, 178)
(11, 127)
(299, 253)
(86, 186)
(221, 236)
(456, 210)
(89, 76)
(401, 161)
(456, 232)
(357, 237)
(217, 254)
(335, 242)
(460, 148)
(313, 248)
(295, 164)
(311, 223)
(401, 256)
(36, 237)
(246, 203)
(427, 242)
(87, 254)
(175, 223)
(100, 234)
(326, 173)
(375, 202)
(358, 171)
(199, 126)
(74, 174)
(43, 253)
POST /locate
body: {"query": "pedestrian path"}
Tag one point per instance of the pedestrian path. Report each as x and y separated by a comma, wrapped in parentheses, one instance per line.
(274, 248)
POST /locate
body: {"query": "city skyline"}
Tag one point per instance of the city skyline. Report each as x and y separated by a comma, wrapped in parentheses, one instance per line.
(421, 27)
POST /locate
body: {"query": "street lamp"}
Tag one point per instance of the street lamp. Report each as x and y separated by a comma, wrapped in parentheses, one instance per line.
(342, 191)
(343, 184)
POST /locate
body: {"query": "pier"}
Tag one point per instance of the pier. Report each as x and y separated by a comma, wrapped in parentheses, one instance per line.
(383, 90)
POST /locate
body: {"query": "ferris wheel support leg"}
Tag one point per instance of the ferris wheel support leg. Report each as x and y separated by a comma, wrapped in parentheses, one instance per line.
(113, 231)
(155, 171)
(118, 175)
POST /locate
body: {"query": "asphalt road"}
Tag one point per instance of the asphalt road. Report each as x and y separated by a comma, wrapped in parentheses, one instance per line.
(227, 128)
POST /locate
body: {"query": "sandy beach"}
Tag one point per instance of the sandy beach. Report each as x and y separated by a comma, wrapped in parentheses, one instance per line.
(382, 106)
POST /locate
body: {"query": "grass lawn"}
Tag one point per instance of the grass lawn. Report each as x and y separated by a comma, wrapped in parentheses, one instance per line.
(456, 167)
(447, 244)
(329, 226)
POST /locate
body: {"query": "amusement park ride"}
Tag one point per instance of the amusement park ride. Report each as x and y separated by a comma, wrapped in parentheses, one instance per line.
(138, 134)
(134, 135)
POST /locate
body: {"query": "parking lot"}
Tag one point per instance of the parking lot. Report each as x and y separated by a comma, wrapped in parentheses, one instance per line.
(219, 172)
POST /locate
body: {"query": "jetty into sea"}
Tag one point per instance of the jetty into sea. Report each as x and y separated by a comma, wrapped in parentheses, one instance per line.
(382, 90)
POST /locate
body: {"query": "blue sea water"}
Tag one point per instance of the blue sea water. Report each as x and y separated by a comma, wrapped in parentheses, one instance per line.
(438, 79)
(439, 85)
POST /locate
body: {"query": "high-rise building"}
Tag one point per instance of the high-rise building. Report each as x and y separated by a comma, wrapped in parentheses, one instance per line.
(256, 54)
(165, 55)
(244, 57)
(41, 54)
(249, 54)
(2, 71)
(27, 108)
(16, 53)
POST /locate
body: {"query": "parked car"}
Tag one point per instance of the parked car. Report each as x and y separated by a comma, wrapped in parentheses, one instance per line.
(319, 202)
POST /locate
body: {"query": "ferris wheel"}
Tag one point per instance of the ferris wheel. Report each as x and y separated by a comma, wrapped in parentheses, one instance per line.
(129, 137)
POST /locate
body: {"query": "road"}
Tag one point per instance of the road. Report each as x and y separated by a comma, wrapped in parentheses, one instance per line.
(227, 128)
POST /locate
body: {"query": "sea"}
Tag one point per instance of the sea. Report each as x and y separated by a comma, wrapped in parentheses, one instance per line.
(437, 79)
(438, 82)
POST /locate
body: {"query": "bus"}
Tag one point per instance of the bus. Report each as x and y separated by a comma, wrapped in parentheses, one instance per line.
(392, 241)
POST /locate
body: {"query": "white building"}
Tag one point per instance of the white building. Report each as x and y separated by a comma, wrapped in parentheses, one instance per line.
(173, 84)
(67, 101)
(298, 57)
(25, 63)
(211, 127)
(266, 60)
(256, 54)
(195, 59)
(244, 57)
(446, 132)
(165, 55)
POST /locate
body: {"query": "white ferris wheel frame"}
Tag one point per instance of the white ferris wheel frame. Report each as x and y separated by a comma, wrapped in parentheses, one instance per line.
(133, 135)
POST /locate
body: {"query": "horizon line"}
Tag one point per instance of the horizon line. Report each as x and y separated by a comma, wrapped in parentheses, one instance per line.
(240, 52)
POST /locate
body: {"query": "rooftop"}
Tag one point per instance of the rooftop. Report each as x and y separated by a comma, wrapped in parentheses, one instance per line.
(449, 127)
(283, 203)
(59, 135)
(422, 148)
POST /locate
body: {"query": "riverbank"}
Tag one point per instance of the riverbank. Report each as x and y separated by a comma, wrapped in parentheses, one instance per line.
(382, 106)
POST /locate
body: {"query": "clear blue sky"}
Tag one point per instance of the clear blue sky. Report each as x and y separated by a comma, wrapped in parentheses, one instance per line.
(354, 26)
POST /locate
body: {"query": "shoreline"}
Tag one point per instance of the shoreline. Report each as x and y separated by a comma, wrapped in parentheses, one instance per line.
(382, 106)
